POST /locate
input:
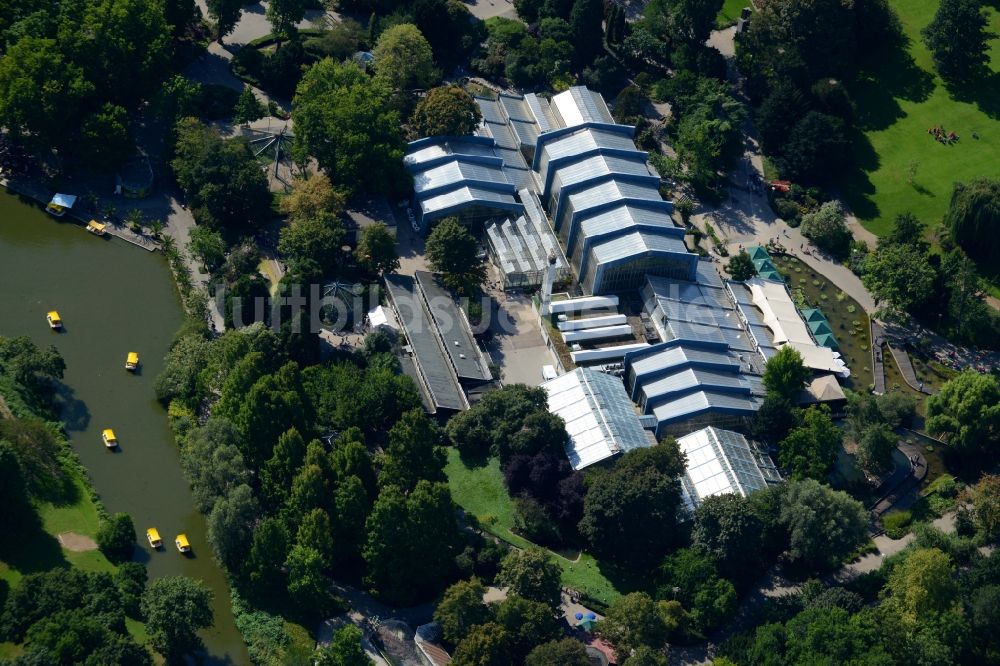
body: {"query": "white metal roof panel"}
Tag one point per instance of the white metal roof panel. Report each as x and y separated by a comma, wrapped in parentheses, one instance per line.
(579, 105)
(446, 148)
(624, 216)
(583, 303)
(636, 243)
(598, 166)
(455, 172)
(592, 322)
(467, 195)
(675, 356)
(598, 333)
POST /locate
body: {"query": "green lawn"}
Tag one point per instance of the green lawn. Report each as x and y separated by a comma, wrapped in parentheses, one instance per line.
(902, 166)
(480, 492)
(10, 650)
(37, 549)
(730, 12)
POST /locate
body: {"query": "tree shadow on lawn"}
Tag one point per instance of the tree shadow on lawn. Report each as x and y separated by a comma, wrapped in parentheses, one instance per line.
(983, 91)
(473, 458)
(890, 74)
(28, 548)
(856, 184)
(624, 579)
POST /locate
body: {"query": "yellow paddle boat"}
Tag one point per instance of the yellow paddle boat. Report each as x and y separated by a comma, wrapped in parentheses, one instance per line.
(55, 321)
(153, 536)
(109, 438)
(182, 543)
(132, 361)
(97, 228)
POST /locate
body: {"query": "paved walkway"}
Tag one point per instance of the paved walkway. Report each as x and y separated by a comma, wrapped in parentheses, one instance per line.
(905, 366)
(945, 351)
(253, 22)
(904, 479)
(746, 218)
(878, 367)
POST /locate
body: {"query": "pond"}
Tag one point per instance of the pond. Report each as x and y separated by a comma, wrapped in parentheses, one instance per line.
(847, 319)
(113, 299)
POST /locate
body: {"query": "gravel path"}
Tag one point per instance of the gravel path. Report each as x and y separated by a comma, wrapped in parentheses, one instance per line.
(77, 543)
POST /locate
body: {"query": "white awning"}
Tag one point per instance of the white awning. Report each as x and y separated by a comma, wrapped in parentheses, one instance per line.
(381, 316)
(63, 200)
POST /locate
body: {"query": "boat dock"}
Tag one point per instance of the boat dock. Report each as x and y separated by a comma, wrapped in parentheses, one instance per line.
(113, 228)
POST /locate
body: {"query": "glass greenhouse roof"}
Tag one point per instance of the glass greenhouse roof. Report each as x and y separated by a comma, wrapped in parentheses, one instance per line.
(600, 419)
(722, 461)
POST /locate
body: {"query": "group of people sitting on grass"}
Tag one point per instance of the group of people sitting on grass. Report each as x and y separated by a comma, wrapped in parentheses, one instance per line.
(940, 135)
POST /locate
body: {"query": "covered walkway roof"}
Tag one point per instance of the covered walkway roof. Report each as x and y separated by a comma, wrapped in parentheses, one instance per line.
(437, 377)
(782, 317)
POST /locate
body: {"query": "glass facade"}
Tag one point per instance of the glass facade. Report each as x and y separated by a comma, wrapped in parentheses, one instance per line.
(630, 274)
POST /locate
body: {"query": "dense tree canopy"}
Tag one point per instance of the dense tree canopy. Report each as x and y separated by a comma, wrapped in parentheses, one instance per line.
(817, 149)
(175, 609)
(532, 575)
(492, 423)
(741, 267)
(283, 15)
(727, 528)
(875, 449)
(630, 513)
(248, 108)
(958, 39)
(345, 649)
(461, 609)
(343, 119)
(452, 251)
(984, 511)
(226, 14)
(796, 69)
(823, 524)
(567, 652)
(785, 375)
(376, 249)
(446, 111)
(633, 621)
(224, 182)
(966, 414)
(487, 644)
(313, 241)
(899, 277)
(404, 59)
(827, 229)
(32, 367)
(810, 450)
(413, 452)
(923, 586)
(588, 35)
(116, 537)
(72, 71)
(974, 214)
(411, 542)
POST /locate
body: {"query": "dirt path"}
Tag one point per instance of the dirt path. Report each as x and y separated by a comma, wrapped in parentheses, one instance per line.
(77, 543)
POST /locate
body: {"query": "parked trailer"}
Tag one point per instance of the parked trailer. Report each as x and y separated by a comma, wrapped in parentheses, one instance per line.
(581, 304)
(592, 322)
(605, 353)
(602, 333)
